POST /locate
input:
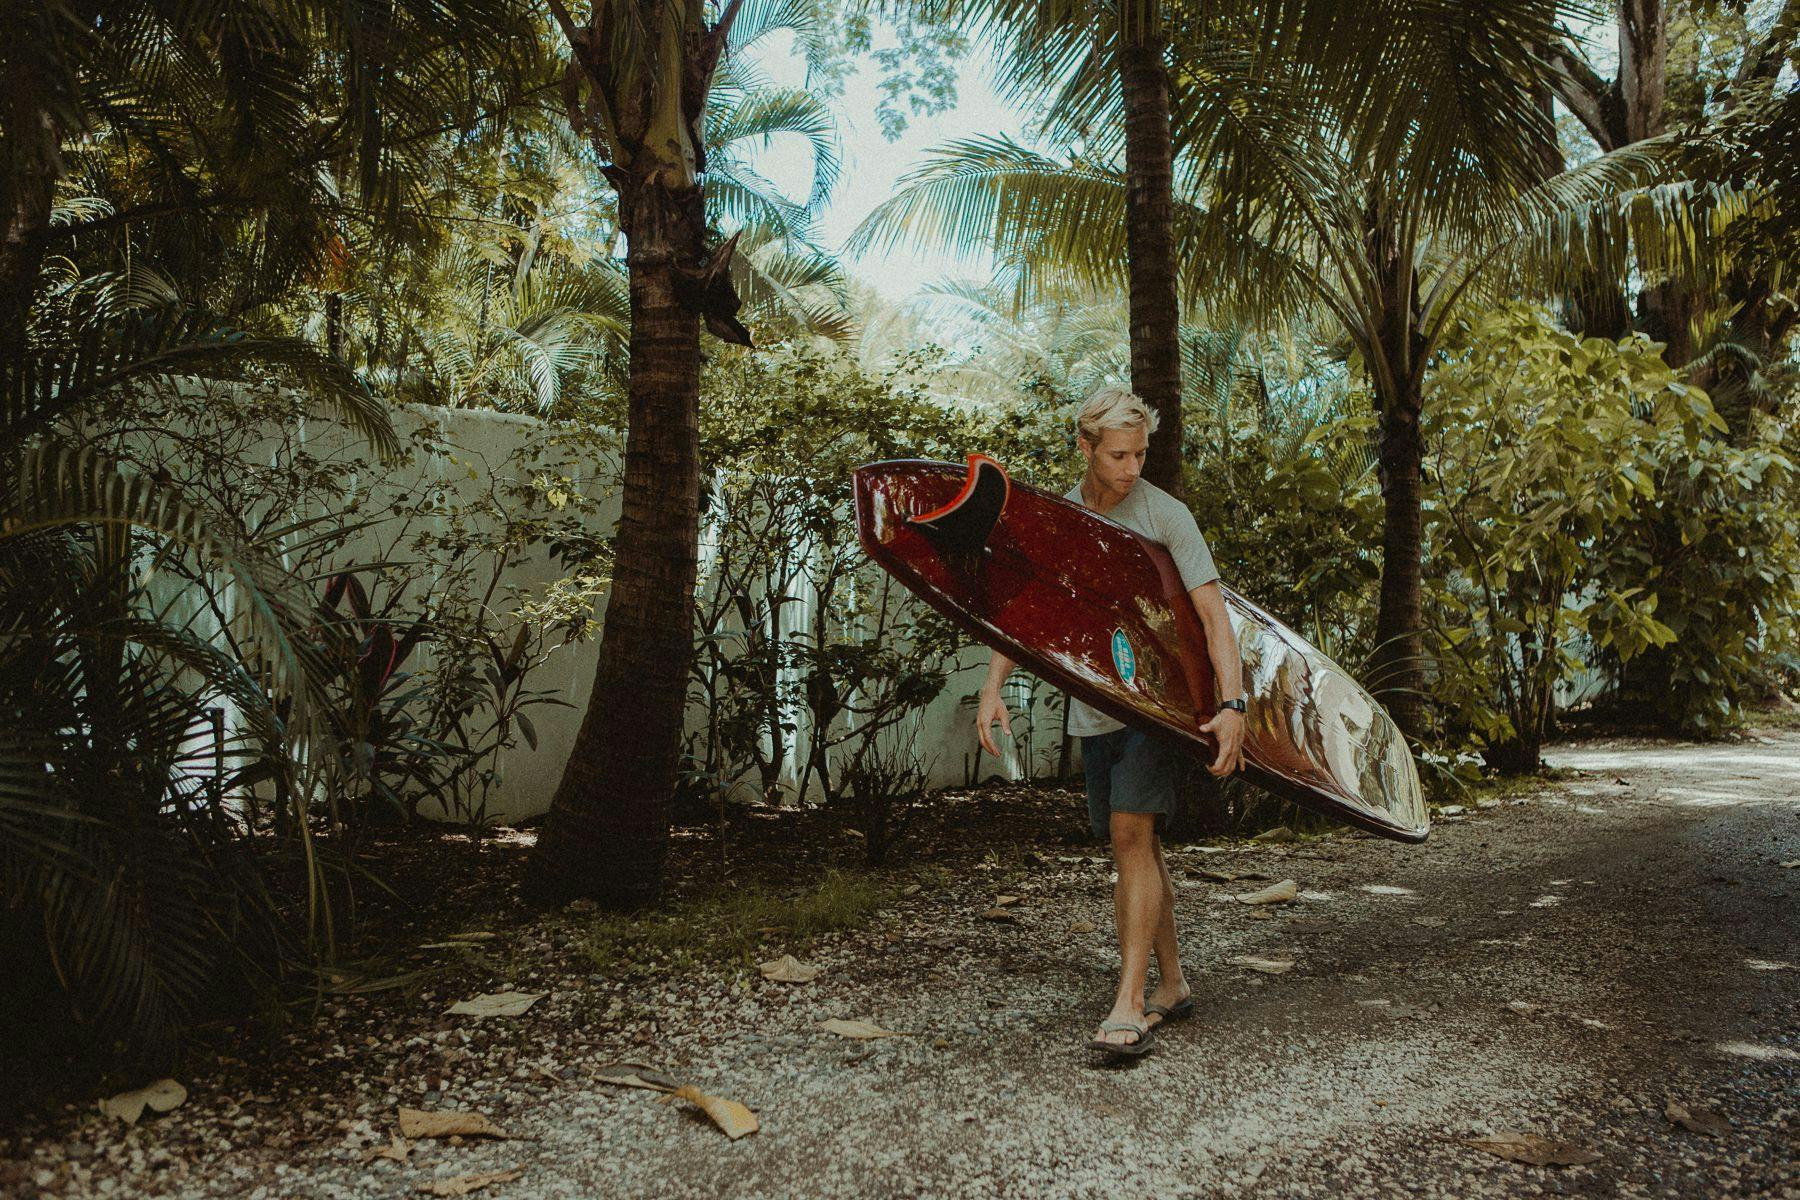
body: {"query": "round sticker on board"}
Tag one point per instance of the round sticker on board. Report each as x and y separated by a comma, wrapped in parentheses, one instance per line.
(1124, 658)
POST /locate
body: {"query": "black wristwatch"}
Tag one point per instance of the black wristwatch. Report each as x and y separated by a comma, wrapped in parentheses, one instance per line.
(1240, 703)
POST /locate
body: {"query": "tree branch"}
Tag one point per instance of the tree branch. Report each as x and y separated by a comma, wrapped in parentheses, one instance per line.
(1582, 92)
(1763, 62)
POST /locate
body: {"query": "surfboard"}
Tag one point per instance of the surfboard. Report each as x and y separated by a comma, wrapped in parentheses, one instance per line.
(1100, 611)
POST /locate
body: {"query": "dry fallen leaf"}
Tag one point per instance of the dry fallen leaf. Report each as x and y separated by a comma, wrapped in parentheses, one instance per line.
(1275, 893)
(462, 1185)
(1000, 914)
(162, 1096)
(728, 1115)
(1082, 927)
(1214, 876)
(635, 1075)
(788, 969)
(497, 1004)
(1268, 966)
(1791, 863)
(478, 935)
(417, 1123)
(1697, 1120)
(1429, 922)
(1521, 1007)
(397, 1150)
(1534, 1150)
(1003, 901)
(856, 1029)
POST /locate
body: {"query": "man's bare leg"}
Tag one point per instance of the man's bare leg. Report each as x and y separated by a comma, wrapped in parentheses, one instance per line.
(1171, 985)
(1140, 907)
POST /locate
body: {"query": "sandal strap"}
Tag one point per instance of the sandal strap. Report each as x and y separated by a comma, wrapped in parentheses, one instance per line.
(1134, 1026)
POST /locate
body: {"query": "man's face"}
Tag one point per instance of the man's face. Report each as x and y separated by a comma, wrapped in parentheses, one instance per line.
(1116, 462)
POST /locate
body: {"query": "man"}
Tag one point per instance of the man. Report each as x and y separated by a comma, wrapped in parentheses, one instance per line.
(1132, 776)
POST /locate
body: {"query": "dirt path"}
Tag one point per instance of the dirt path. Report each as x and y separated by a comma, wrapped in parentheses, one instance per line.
(1564, 965)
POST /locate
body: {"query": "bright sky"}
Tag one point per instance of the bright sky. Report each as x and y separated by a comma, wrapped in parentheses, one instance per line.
(872, 165)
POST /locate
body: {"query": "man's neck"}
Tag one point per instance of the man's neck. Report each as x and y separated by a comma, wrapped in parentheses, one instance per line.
(1097, 497)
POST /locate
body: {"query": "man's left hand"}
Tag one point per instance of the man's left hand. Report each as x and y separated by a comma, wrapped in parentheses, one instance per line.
(1227, 726)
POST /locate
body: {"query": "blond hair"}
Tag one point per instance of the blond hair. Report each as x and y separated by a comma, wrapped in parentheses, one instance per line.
(1112, 407)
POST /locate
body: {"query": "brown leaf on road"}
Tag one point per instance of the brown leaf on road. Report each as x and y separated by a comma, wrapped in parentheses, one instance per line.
(635, 1075)
(1083, 927)
(417, 1123)
(161, 1096)
(1697, 1120)
(397, 1150)
(1004, 901)
(1533, 1150)
(788, 969)
(1275, 893)
(1000, 914)
(728, 1115)
(462, 1185)
(856, 1029)
(496, 1004)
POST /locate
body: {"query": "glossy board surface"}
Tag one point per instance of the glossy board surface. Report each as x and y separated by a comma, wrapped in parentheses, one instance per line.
(1100, 611)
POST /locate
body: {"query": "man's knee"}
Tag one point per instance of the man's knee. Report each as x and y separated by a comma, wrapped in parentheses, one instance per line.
(1134, 834)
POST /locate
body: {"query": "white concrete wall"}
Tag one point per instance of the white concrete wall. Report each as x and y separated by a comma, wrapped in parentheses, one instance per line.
(482, 444)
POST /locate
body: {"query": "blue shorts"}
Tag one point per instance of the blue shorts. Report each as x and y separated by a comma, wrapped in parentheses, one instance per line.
(1129, 770)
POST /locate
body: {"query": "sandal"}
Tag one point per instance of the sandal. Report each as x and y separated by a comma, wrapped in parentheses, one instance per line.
(1124, 1049)
(1183, 1007)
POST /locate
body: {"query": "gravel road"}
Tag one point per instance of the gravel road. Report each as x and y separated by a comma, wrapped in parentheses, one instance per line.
(1565, 964)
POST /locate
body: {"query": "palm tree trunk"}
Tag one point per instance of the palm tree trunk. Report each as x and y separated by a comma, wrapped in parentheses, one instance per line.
(1399, 673)
(1150, 235)
(1396, 362)
(607, 833)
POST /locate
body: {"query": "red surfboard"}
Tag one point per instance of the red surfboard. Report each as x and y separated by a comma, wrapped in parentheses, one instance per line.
(1101, 612)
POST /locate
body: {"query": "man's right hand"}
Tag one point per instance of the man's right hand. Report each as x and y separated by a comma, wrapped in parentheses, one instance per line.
(990, 709)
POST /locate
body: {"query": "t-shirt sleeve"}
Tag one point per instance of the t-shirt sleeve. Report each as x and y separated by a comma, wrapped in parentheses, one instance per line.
(1181, 536)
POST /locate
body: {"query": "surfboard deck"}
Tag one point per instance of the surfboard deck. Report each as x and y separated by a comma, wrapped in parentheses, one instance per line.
(1100, 612)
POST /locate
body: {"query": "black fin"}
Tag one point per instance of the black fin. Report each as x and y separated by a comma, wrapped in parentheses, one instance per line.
(963, 525)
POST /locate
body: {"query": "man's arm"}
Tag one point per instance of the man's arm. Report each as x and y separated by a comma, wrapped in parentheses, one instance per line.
(1228, 669)
(990, 708)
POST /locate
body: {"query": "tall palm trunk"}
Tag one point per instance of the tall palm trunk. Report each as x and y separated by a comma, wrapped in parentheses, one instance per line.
(1396, 357)
(608, 828)
(1155, 311)
(607, 833)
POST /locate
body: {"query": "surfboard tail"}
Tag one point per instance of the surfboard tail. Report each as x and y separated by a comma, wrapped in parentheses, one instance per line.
(964, 524)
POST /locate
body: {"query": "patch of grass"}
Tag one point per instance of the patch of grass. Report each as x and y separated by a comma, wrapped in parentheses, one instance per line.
(730, 923)
(1783, 717)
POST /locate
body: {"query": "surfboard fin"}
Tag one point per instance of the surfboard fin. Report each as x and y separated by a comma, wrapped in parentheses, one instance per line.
(963, 525)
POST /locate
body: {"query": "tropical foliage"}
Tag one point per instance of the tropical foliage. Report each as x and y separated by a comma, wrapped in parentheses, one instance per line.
(1474, 351)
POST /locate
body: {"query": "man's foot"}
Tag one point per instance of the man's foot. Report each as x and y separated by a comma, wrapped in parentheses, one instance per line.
(1123, 1037)
(1169, 995)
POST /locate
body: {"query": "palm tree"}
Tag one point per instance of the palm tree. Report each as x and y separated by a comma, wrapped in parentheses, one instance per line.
(1362, 166)
(640, 78)
(169, 178)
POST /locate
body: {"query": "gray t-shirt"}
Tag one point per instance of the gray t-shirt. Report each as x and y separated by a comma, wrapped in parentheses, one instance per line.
(1152, 512)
